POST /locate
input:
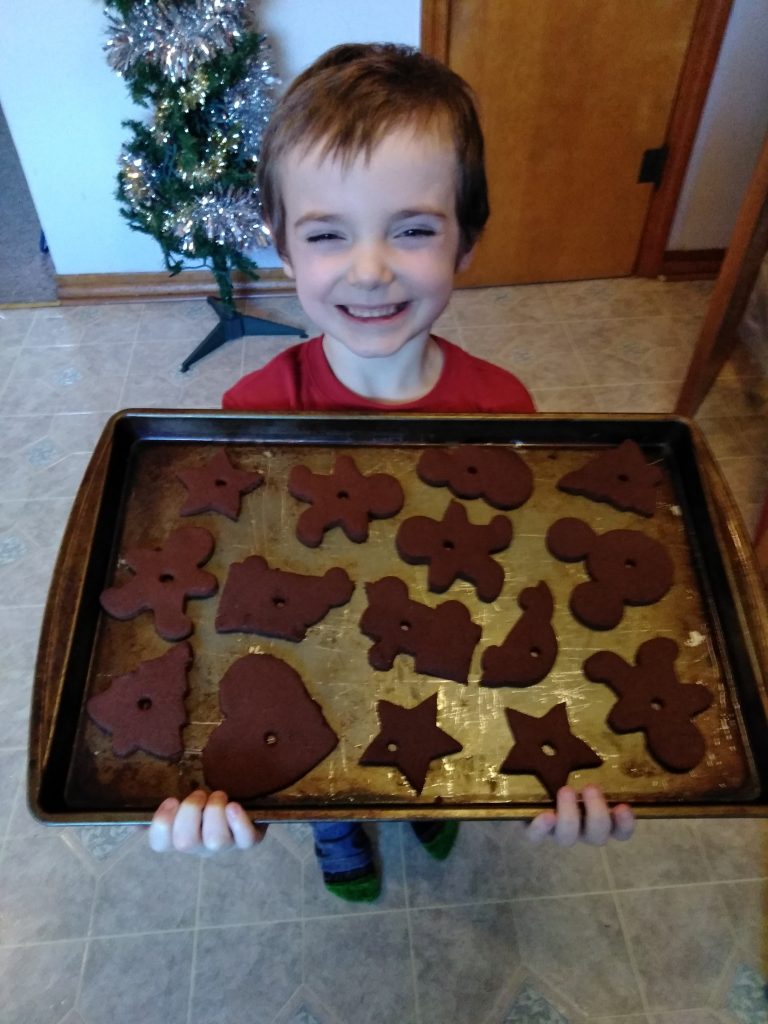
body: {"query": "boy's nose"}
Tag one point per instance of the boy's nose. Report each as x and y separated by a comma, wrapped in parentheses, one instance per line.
(369, 267)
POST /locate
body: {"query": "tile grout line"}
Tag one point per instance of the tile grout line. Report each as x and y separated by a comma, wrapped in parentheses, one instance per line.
(303, 919)
(377, 913)
(86, 939)
(127, 374)
(408, 923)
(195, 935)
(20, 786)
(577, 350)
(625, 933)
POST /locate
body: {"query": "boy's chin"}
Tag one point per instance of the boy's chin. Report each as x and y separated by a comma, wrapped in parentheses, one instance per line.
(370, 348)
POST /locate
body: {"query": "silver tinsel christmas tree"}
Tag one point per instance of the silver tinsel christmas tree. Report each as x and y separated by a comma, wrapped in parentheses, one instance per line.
(187, 175)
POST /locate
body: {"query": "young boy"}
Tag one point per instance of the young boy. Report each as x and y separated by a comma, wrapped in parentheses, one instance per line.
(373, 184)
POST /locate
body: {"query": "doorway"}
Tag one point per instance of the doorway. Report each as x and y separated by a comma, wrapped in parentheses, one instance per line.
(27, 273)
(573, 97)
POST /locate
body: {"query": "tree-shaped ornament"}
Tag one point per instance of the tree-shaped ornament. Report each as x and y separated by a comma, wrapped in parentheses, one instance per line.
(187, 175)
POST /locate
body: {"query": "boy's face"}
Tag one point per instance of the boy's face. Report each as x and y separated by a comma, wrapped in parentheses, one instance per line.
(373, 246)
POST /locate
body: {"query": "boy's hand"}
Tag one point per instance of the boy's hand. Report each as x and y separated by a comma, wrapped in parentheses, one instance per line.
(202, 823)
(592, 821)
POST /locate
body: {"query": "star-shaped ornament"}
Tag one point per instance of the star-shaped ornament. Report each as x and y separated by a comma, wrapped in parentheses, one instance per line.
(217, 486)
(409, 740)
(546, 747)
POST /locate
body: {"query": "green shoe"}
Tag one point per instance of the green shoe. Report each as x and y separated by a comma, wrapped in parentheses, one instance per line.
(437, 838)
(355, 890)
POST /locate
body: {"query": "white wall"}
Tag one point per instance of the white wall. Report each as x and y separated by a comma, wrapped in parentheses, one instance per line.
(732, 129)
(64, 105)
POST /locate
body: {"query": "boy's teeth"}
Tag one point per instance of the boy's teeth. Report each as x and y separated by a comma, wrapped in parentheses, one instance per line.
(369, 311)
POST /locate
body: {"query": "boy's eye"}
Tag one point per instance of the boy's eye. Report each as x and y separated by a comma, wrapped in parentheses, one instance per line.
(322, 236)
(417, 233)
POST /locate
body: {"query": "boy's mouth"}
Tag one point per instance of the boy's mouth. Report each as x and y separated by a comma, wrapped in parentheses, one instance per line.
(374, 312)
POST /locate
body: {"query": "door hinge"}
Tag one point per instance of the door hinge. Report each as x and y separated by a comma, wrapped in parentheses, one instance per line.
(652, 166)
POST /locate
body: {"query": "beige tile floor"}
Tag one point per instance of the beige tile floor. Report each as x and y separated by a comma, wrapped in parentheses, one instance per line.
(668, 929)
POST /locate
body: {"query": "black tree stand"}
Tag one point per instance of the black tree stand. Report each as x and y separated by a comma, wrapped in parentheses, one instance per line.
(233, 325)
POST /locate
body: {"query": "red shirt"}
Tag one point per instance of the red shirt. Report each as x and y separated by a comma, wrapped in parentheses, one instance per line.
(300, 380)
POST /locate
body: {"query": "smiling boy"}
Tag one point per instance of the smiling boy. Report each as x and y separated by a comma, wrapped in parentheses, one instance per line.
(373, 182)
(373, 185)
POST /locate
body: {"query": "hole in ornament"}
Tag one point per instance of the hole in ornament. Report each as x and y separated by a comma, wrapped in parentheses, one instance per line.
(144, 703)
(166, 577)
(548, 749)
(392, 747)
(342, 494)
(448, 545)
(270, 739)
(220, 483)
(630, 563)
(405, 626)
(657, 704)
(623, 478)
(278, 602)
(535, 652)
(472, 470)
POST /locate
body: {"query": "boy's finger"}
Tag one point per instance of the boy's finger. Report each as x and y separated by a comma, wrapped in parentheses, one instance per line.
(568, 824)
(161, 827)
(623, 822)
(186, 835)
(215, 828)
(245, 833)
(598, 821)
(541, 826)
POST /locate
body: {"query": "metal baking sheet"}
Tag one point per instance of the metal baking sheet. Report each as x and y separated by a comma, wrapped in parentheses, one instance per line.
(131, 496)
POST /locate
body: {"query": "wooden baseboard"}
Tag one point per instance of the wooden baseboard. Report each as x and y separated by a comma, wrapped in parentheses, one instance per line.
(682, 265)
(189, 284)
(691, 264)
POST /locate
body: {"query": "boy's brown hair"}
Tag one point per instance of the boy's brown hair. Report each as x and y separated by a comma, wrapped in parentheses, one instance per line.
(350, 97)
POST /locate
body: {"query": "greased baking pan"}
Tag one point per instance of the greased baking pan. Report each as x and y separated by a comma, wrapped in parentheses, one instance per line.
(130, 496)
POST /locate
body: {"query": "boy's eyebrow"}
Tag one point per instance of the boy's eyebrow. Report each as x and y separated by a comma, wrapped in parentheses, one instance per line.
(322, 218)
(327, 218)
(422, 211)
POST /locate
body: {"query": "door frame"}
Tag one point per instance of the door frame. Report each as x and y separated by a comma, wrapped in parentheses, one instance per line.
(706, 39)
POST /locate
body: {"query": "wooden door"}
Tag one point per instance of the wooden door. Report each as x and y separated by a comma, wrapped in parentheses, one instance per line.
(571, 93)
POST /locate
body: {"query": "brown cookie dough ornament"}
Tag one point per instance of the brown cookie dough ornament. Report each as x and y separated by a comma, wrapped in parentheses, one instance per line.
(498, 475)
(274, 602)
(409, 740)
(620, 477)
(345, 498)
(653, 700)
(529, 651)
(217, 486)
(144, 709)
(273, 732)
(546, 747)
(441, 640)
(454, 548)
(626, 568)
(163, 578)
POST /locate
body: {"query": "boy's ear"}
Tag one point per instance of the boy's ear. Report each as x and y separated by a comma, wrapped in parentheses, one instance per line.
(465, 260)
(287, 267)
